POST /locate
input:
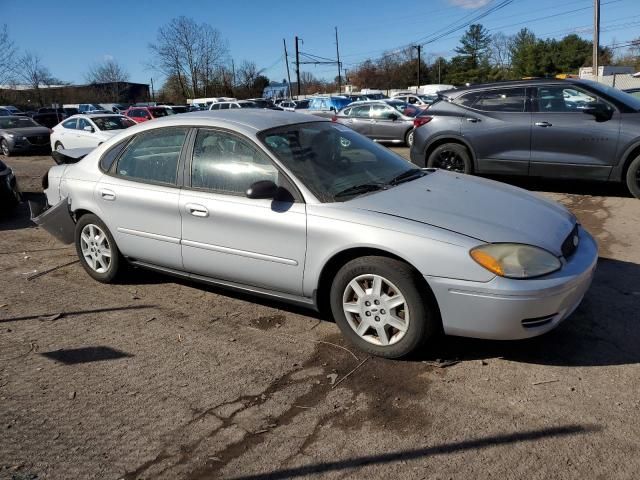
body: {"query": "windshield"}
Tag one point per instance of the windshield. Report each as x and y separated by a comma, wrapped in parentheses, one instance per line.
(616, 94)
(334, 162)
(112, 123)
(17, 122)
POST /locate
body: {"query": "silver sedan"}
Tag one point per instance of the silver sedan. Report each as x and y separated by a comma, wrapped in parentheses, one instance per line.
(308, 211)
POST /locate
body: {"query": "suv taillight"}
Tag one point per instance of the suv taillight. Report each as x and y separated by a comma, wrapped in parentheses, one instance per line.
(421, 120)
(334, 119)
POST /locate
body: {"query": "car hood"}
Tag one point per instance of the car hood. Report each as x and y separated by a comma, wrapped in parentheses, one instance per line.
(476, 207)
(27, 131)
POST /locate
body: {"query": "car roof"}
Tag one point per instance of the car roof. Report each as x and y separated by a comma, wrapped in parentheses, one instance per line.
(247, 121)
(453, 93)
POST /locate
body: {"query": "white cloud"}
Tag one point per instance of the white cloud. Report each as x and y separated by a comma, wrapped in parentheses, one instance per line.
(470, 4)
(108, 58)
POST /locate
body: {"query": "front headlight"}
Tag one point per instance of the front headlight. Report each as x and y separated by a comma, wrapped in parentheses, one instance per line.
(515, 260)
(10, 135)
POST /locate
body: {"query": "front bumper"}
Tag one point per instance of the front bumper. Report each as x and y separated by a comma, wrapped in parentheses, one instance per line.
(19, 145)
(507, 309)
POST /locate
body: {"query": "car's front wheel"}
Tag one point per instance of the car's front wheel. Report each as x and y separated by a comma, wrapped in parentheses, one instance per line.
(381, 307)
(59, 146)
(633, 177)
(4, 146)
(97, 250)
(451, 156)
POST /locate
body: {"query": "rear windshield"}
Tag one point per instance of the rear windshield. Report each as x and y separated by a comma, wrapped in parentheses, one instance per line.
(17, 122)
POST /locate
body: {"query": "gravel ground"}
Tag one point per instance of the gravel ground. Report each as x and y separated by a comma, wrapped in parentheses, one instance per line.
(161, 378)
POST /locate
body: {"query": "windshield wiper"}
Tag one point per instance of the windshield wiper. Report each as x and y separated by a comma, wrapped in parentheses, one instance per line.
(359, 189)
(407, 176)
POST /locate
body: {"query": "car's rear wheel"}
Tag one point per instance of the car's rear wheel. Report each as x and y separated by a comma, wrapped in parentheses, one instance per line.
(4, 146)
(633, 177)
(59, 146)
(451, 156)
(408, 138)
(381, 307)
(97, 250)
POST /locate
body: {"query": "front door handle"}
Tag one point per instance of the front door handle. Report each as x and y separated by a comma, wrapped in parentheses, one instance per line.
(543, 124)
(107, 194)
(197, 210)
(472, 120)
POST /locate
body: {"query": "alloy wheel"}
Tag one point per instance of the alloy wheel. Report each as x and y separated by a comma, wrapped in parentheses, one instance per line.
(376, 309)
(95, 248)
(450, 160)
(5, 148)
(59, 147)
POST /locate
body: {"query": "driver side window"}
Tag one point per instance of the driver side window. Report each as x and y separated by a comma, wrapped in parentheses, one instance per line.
(226, 163)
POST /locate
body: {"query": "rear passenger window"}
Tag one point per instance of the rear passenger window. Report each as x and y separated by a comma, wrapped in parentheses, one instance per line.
(108, 158)
(501, 100)
(70, 124)
(153, 156)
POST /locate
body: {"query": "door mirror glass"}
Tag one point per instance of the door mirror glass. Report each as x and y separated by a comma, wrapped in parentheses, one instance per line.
(262, 189)
(88, 128)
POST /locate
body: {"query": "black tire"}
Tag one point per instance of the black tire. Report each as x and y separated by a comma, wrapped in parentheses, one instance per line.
(58, 144)
(116, 263)
(4, 147)
(423, 322)
(408, 138)
(633, 177)
(451, 156)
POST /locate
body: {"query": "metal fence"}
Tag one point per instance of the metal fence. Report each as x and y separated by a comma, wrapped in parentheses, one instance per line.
(622, 81)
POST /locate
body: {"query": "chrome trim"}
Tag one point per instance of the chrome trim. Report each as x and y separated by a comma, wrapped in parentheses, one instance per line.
(242, 253)
(153, 236)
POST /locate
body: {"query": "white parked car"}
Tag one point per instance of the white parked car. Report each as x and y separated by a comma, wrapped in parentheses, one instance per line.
(87, 131)
(231, 105)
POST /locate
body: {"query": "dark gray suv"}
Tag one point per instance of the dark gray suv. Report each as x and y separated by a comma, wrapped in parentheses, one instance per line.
(548, 128)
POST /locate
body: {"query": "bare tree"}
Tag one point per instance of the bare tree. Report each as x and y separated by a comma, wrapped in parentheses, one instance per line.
(32, 72)
(192, 53)
(500, 49)
(246, 74)
(8, 54)
(106, 72)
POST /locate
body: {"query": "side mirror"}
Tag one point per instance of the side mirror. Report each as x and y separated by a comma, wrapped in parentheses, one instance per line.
(88, 128)
(393, 117)
(597, 109)
(262, 189)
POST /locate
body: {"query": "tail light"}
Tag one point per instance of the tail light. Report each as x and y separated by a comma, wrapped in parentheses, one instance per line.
(334, 119)
(421, 120)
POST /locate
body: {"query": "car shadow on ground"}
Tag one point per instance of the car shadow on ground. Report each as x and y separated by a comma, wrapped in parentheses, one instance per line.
(569, 186)
(16, 218)
(604, 330)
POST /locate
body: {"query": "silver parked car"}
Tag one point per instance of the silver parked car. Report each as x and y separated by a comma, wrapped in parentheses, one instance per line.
(381, 120)
(308, 211)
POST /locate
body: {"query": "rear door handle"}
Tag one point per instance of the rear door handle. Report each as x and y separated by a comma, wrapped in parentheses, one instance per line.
(543, 124)
(472, 120)
(197, 210)
(107, 194)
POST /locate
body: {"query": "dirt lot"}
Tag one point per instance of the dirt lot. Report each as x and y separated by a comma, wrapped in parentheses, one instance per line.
(161, 378)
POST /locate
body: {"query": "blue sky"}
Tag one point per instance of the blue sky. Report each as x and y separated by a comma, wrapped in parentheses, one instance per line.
(70, 35)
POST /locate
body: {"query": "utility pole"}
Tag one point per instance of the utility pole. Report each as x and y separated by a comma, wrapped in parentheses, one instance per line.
(298, 66)
(338, 58)
(233, 76)
(286, 59)
(596, 37)
(153, 93)
(418, 47)
(439, 81)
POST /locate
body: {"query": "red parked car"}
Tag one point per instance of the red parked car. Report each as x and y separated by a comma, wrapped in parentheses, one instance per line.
(142, 114)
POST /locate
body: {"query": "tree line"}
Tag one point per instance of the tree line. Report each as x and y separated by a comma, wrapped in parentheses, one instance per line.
(195, 61)
(481, 57)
